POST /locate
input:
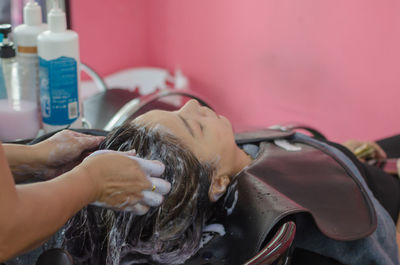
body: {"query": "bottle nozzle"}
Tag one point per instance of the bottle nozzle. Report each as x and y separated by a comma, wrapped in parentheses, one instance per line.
(55, 4)
(32, 13)
(5, 29)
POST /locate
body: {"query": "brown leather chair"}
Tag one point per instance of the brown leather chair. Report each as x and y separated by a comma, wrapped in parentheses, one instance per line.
(278, 249)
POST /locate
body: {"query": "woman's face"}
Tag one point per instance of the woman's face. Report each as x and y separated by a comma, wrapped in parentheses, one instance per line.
(208, 135)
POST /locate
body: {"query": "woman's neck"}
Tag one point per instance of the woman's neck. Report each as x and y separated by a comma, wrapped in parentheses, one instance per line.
(242, 161)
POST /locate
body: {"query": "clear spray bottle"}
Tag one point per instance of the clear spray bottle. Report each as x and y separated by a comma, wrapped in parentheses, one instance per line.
(25, 37)
(8, 62)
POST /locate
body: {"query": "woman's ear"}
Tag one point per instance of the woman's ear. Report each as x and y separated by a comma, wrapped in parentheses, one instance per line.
(218, 187)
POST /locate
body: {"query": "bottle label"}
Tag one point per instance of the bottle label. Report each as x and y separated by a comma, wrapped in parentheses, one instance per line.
(59, 99)
(28, 76)
(27, 49)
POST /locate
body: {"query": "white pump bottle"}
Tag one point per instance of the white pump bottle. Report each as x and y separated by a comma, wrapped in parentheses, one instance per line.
(59, 73)
(25, 37)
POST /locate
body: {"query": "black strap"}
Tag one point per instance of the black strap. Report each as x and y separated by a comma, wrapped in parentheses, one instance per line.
(262, 135)
(305, 257)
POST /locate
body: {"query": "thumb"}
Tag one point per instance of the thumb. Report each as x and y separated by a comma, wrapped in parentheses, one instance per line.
(90, 142)
(130, 152)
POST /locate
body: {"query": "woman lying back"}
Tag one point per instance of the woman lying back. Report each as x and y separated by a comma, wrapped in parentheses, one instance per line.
(201, 157)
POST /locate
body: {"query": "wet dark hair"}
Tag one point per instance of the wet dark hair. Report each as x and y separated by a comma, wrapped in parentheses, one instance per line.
(168, 234)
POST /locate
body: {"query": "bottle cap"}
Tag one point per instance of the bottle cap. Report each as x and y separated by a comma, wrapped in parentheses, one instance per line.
(32, 14)
(7, 49)
(57, 19)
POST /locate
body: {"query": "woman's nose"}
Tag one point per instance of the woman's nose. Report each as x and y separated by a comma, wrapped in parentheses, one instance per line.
(192, 106)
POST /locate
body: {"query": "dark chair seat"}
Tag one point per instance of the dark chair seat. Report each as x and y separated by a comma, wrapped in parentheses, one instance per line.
(55, 256)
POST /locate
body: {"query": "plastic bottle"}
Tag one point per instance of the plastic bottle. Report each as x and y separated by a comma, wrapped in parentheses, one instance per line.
(18, 115)
(3, 89)
(25, 37)
(8, 62)
(59, 75)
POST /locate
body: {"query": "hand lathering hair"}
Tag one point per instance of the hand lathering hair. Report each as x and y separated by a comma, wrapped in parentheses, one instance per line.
(168, 234)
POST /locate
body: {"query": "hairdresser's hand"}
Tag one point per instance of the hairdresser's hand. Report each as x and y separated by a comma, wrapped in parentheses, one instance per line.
(62, 152)
(125, 182)
(365, 150)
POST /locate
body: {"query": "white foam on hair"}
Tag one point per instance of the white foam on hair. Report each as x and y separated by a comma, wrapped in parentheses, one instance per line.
(153, 128)
(230, 209)
(164, 131)
(209, 231)
(120, 224)
(161, 129)
(217, 228)
(205, 238)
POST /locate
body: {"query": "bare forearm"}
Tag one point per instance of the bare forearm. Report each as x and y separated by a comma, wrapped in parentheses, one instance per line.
(42, 209)
(22, 160)
(398, 242)
(398, 224)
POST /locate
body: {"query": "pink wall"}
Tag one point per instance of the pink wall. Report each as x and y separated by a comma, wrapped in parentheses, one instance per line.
(112, 37)
(333, 65)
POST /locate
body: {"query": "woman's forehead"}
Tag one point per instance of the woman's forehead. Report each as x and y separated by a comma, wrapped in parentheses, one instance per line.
(164, 121)
(154, 117)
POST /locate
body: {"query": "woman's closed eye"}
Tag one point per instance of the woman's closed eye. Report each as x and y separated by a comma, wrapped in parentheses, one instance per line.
(192, 126)
(201, 126)
(197, 126)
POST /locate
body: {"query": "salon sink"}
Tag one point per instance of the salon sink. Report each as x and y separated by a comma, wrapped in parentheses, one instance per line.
(113, 107)
(100, 108)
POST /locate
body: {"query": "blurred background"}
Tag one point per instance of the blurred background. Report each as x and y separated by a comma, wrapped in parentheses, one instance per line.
(334, 65)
